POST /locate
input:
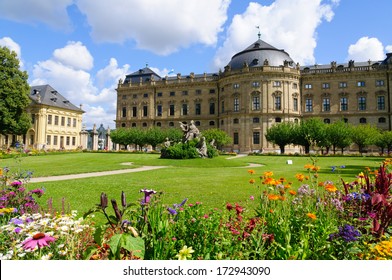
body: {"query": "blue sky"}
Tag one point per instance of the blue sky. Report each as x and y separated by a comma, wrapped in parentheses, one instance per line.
(83, 47)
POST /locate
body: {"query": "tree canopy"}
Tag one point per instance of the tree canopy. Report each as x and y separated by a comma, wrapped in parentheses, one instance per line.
(14, 95)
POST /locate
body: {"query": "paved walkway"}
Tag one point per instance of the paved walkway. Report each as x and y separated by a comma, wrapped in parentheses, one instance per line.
(92, 174)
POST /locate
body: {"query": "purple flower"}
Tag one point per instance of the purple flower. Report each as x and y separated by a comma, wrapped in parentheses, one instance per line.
(16, 183)
(16, 221)
(172, 211)
(333, 168)
(147, 195)
(348, 233)
(17, 229)
(181, 204)
(39, 239)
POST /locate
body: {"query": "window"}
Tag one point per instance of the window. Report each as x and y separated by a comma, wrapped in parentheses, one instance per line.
(256, 102)
(32, 118)
(145, 111)
(327, 121)
(73, 141)
(68, 121)
(144, 124)
(74, 122)
(56, 120)
(123, 125)
(276, 84)
(361, 103)
(124, 97)
(159, 94)
(212, 108)
(308, 86)
(67, 141)
(362, 120)
(48, 139)
(133, 125)
(134, 96)
(309, 105)
(361, 84)
(278, 120)
(184, 92)
(223, 106)
(197, 123)
(325, 85)
(382, 120)
(62, 121)
(55, 140)
(124, 112)
(159, 110)
(49, 119)
(159, 124)
(256, 84)
(326, 105)
(171, 110)
(342, 84)
(381, 102)
(184, 109)
(256, 137)
(197, 109)
(198, 92)
(379, 83)
(235, 138)
(212, 123)
(345, 120)
(236, 104)
(145, 95)
(172, 93)
(295, 86)
(278, 105)
(134, 111)
(256, 120)
(212, 90)
(171, 123)
(343, 104)
(236, 86)
(235, 121)
(295, 104)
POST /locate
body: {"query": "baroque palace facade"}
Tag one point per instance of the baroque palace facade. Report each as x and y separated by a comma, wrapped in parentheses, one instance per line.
(259, 87)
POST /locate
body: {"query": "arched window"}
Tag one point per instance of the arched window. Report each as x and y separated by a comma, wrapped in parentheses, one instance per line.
(236, 121)
(382, 120)
(362, 120)
(133, 124)
(171, 123)
(197, 123)
(144, 124)
(278, 120)
(123, 125)
(159, 124)
(212, 123)
(327, 121)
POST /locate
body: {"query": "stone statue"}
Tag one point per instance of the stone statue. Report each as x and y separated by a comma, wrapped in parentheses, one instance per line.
(190, 131)
(202, 147)
(167, 143)
(212, 143)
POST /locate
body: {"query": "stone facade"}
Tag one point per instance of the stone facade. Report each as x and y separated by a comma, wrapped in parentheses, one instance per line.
(246, 99)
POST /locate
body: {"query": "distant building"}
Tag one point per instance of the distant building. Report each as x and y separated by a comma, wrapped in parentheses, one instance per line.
(259, 87)
(56, 122)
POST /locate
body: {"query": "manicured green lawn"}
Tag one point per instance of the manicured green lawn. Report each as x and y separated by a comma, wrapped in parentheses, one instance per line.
(210, 181)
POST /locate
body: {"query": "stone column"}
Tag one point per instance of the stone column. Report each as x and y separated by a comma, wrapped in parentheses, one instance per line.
(83, 139)
(94, 137)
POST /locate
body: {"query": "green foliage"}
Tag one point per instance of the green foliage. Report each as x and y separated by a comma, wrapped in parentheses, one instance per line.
(384, 140)
(14, 95)
(364, 135)
(181, 150)
(309, 132)
(339, 135)
(219, 136)
(281, 134)
(154, 136)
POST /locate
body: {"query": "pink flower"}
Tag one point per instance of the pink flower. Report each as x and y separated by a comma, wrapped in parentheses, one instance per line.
(205, 216)
(40, 239)
(252, 197)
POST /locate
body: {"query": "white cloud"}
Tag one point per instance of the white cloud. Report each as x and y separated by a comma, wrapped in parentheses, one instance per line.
(388, 49)
(160, 26)
(13, 46)
(74, 55)
(52, 13)
(286, 24)
(366, 48)
(99, 100)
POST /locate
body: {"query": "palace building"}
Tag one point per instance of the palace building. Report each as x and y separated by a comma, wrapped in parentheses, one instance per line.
(260, 86)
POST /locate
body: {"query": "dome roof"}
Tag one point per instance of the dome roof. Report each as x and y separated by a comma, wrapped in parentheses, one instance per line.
(258, 53)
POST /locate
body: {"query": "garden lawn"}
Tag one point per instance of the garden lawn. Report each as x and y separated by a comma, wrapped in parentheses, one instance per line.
(210, 181)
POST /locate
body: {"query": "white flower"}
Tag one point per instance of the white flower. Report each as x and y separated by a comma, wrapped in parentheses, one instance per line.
(47, 257)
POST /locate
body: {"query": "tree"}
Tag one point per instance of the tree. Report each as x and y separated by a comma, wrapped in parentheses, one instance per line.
(309, 132)
(154, 136)
(385, 141)
(219, 136)
(364, 135)
(119, 136)
(14, 95)
(339, 135)
(281, 134)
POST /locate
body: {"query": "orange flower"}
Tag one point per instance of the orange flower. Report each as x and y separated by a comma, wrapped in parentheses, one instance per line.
(306, 177)
(269, 181)
(308, 166)
(252, 181)
(287, 186)
(282, 180)
(251, 171)
(282, 198)
(312, 216)
(273, 197)
(331, 188)
(300, 177)
(316, 168)
(268, 174)
(321, 184)
(271, 211)
(292, 192)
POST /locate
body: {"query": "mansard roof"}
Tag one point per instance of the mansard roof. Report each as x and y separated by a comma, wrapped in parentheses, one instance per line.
(46, 95)
(145, 75)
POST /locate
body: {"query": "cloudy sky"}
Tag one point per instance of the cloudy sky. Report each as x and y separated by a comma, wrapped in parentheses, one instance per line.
(83, 47)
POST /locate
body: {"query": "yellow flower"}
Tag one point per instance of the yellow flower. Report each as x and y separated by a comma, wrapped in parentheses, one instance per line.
(312, 216)
(251, 171)
(308, 166)
(273, 197)
(292, 192)
(252, 181)
(185, 253)
(268, 174)
(300, 177)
